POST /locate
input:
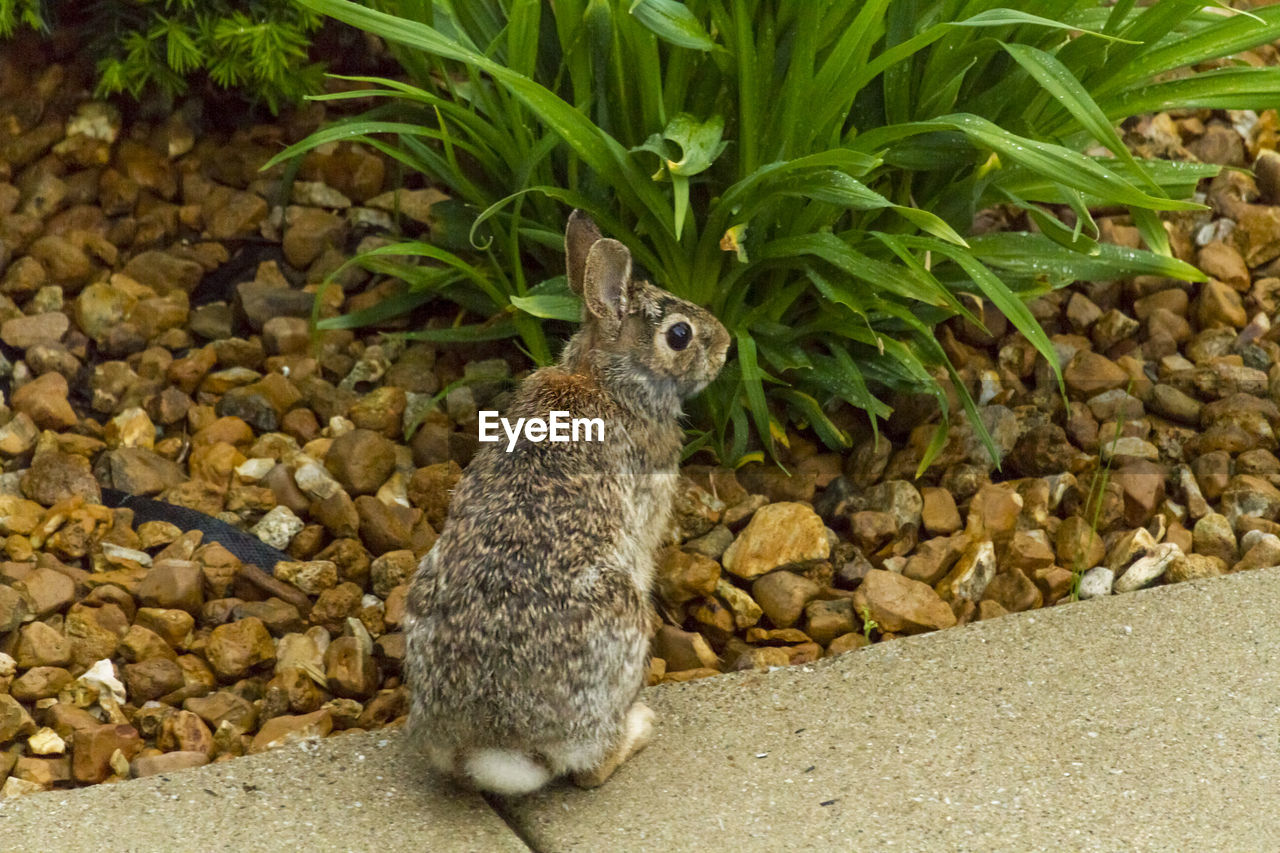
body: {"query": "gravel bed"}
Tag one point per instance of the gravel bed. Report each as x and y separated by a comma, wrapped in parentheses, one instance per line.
(154, 291)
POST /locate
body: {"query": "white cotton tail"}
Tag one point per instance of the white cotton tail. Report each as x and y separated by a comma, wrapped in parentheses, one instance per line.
(505, 771)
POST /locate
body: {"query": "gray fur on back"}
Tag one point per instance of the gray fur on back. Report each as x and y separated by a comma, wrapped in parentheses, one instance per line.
(529, 620)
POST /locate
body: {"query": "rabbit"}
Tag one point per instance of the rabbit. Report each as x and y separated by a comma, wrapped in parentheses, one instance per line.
(528, 622)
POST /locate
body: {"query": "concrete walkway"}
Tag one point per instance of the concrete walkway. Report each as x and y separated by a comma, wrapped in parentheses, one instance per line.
(1149, 721)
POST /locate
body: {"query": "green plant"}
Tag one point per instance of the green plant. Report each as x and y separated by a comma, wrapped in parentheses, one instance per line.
(868, 624)
(150, 47)
(806, 169)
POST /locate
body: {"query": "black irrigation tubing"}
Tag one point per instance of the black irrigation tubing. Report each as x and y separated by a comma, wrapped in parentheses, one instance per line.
(245, 546)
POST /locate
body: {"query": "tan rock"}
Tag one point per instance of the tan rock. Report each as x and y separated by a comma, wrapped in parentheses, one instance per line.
(174, 627)
(826, 620)
(1128, 548)
(40, 682)
(15, 609)
(173, 584)
(683, 576)
(310, 576)
(712, 619)
(1250, 496)
(1142, 483)
(783, 595)
(153, 678)
(15, 721)
(993, 513)
(231, 213)
(238, 647)
(1218, 305)
(431, 488)
(224, 706)
(25, 332)
(847, 643)
(1053, 583)
(971, 574)
(301, 693)
(141, 643)
(15, 787)
(1263, 554)
(683, 649)
(361, 460)
(48, 591)
(933, 558)
(762, 659)
(350, 669)
(92, 750)
(1078, 544)
(939, 515)
(19, 435)
(333, 606)
(1089, 373)
(778, 535)
(1013, 591)
(901, 605)
(871, 530)
(45, 772)
(746, 612)
(154, 765)
(44, 400)
(308, 232)
(66, 719)
(40, 644)
(988, 609)
(1224, 262)
(1029, 550)
(185, 731)
(1148, 568)
(1192, 567)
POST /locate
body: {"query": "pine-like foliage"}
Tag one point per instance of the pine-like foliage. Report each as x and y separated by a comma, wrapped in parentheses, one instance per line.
(149, 48)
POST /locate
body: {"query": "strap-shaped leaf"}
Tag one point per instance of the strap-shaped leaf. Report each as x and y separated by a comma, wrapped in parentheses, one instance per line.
(672, 22)
(1034, 254)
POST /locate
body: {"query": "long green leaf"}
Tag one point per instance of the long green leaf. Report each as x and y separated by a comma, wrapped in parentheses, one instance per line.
(1059, 82)
(672, 22)
(1034, 254)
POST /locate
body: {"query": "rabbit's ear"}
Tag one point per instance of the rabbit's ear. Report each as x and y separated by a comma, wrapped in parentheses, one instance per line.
(606, 284)
(580, 234)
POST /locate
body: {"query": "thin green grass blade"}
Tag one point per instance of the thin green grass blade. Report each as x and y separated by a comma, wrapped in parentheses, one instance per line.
(387, 309)
(492, 331)
(999, 294)
(753, 385)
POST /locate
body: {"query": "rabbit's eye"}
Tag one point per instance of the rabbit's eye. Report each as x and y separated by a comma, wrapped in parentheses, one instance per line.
(679, 335)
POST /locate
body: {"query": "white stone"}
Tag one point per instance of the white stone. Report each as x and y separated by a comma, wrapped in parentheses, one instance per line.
(315, 481)
(15, 787)
(253, 470)
(47, 742)
(278, 527)
(1096, 582)
(119, 552)
(102, 677)
(1146, 570)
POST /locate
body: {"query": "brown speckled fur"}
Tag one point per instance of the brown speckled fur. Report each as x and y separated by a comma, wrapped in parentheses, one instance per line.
(528, 622)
